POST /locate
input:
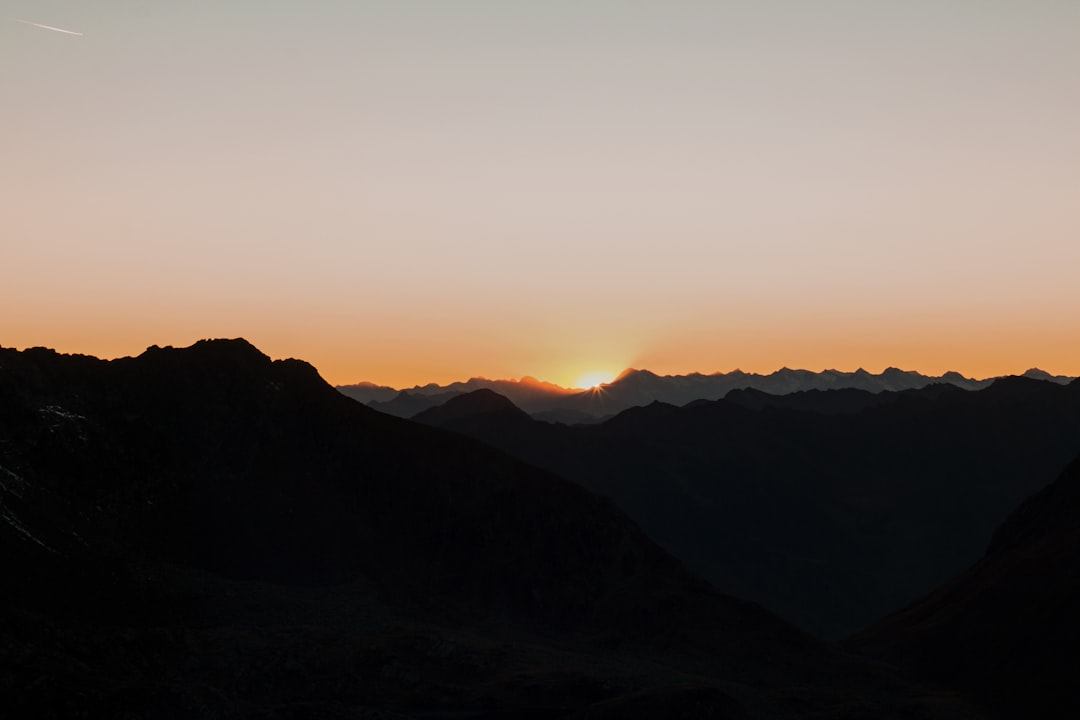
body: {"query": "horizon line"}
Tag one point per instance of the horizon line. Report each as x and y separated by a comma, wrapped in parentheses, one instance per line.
(320, 363)
(534, 379)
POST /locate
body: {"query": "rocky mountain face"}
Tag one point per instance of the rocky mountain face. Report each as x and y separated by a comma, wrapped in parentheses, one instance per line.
(204, 532)
(832, 508)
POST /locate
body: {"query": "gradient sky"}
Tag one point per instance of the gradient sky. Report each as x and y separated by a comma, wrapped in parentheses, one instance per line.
(405, 191)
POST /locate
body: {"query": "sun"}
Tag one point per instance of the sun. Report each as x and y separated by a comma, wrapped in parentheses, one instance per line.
(593, 380)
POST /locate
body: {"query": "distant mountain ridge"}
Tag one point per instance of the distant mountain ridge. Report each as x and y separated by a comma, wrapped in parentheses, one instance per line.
(528, 392)
(633, 387)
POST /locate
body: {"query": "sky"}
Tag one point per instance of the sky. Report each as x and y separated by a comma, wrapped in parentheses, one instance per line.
(409, 191)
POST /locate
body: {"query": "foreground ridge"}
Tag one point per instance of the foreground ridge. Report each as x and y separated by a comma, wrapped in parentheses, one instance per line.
(208, 532)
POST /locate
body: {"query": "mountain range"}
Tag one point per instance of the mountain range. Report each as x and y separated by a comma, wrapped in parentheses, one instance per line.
(546, 401)
(204, 532)
(831, 508)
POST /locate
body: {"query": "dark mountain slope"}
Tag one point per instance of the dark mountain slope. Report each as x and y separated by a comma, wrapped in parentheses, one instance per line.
(831, 509)
(527, 392)
(203, 532)
(406, 404)
(847, 400)
(1007, 631)
(479, 403)
(218, 458)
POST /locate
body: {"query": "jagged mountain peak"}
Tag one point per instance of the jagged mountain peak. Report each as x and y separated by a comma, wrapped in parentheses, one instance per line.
(1037, 374)
(211, 347)
(634, 387)
(230, 363)
(633, 373)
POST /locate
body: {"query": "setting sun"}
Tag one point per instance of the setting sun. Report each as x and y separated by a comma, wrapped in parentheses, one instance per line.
(595, 379)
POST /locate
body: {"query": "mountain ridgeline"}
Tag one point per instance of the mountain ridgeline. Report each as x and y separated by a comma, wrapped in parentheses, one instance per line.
(546, 401)
(204, 532)
(832, 508)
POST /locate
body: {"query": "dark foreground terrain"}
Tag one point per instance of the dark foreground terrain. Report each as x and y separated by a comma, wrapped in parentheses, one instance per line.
(1007, 631)
(205, 533)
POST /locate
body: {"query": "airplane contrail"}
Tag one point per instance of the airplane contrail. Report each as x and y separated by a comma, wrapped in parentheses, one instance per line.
(48, 27)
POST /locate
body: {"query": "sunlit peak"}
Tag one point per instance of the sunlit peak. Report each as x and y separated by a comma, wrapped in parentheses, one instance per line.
(595, 379)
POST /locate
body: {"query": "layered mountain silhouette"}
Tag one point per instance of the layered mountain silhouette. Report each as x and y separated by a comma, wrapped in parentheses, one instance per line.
(641, 387)
(204, 532)
(832, 508)
(1007, 631)
(527, 393)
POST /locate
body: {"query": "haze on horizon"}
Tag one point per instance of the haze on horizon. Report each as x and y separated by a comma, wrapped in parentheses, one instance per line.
(421, 191)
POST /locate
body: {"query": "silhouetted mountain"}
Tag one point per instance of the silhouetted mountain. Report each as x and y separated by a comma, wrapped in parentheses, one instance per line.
(832, 508)
(1007, 631)
(405, 404)
(634, 388)
(204, 532)
(527, 393)
(367, 392)
(486, 404)
(1037, 374)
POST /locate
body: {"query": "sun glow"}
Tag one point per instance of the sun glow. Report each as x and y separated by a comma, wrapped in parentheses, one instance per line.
(594, 379)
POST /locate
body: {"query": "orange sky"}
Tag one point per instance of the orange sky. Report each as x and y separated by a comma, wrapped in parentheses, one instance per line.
(406, 193)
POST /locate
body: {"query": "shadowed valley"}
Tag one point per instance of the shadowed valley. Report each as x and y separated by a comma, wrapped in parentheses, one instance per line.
(832, 508)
